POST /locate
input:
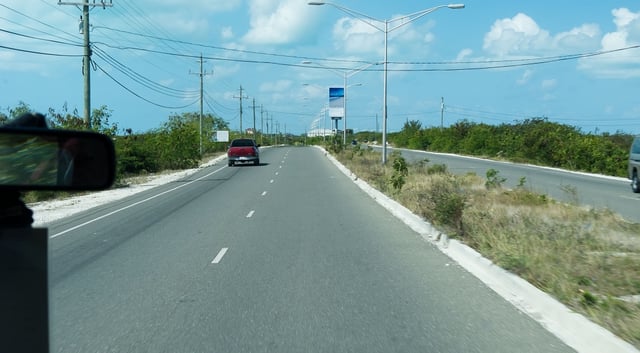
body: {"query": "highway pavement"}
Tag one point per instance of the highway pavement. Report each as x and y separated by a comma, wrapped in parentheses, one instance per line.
(288, 256)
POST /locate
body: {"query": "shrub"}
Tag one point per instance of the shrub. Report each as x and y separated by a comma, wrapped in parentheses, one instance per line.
(494, 180)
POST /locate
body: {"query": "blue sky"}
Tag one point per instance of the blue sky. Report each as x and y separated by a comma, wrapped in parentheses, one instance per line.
(262, 45)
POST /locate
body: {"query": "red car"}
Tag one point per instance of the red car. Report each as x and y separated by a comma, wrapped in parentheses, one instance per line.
(243, 151)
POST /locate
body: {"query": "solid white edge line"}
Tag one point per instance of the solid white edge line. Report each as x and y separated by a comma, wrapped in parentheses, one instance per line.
(132, 205)
(218, 257)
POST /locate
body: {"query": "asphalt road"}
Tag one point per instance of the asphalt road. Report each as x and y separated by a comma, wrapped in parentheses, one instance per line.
(288, 256)
(590, 190)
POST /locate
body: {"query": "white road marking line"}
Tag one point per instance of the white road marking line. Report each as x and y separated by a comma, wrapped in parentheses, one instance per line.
(250, 214)
(132, 205)
(264, 193)
(630, 198)
(271, 181)
(218, 257)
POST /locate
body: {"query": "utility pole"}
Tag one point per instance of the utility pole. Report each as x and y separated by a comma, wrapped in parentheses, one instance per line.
(254, 118)
(261, 124)
(86, 60)
(268, 128)
(201, 74)
(441, 113)
(241, 96)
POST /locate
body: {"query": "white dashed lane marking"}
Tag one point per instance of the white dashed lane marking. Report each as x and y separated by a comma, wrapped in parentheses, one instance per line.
(218, 257)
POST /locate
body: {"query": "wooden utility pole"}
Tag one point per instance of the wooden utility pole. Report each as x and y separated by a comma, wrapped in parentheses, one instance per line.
(86, 60)
(241, 97)
(201, 74)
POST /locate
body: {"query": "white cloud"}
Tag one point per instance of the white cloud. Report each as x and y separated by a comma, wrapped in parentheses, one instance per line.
(181, 22)
(355, 36)
(520, 36)
(173, 16)
(524, 79)
(226, 70)
(277, 86)
(463, 54)
(277, 21)
(583, 38)
(227, 33)
(624, 17)
(278, 91)
(621, 64)
(549, 83)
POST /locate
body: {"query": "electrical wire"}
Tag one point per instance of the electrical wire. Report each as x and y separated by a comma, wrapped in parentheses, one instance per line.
(138, 95)
(38, 21)
(40, 52)
(40, 39)
(142, 80)
(297, 57)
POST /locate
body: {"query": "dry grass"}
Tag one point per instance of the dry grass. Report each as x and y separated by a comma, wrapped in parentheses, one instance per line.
(586, 258)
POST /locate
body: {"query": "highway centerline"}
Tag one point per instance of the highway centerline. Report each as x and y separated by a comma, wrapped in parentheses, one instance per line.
(218, 258)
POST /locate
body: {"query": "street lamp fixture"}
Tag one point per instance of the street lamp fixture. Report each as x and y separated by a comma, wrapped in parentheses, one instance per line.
(345, 74)
(401, 21)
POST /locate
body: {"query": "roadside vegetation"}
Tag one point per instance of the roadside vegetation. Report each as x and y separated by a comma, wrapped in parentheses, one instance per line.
(586, 258)
(535, 140)
(172, 146)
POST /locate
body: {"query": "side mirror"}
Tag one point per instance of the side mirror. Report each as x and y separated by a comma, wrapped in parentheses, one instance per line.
(50, 159)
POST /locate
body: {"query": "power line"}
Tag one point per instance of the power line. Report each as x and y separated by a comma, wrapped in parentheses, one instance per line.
(142, 80)
(508, 63)
(297, 57)
(36, 20)
(40, 39)
(139, 96)
(40, 52)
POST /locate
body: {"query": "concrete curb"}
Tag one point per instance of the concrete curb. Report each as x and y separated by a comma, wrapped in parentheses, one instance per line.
(572, 328)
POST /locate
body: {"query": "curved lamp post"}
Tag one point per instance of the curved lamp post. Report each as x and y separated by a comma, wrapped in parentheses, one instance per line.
(395, 24)
(345, 75)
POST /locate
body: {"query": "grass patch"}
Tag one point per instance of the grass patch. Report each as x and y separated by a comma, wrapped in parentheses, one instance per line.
(586, 258)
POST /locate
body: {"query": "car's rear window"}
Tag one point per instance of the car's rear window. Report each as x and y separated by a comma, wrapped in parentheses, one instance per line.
(241, 143)
(635, 148)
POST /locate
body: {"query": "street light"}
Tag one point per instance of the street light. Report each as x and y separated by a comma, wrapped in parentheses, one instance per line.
(403, 20)
(345, 74)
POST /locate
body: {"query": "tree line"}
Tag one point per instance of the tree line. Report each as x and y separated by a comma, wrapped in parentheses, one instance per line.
(173, 145)
(533, 140)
